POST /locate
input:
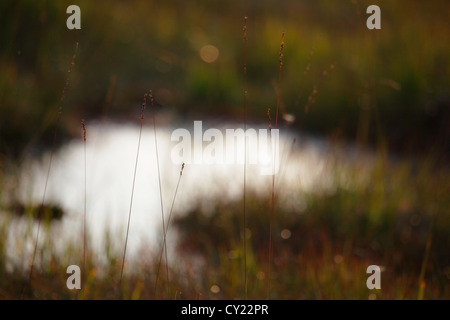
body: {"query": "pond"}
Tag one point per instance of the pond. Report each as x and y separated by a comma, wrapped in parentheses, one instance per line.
(98, 175)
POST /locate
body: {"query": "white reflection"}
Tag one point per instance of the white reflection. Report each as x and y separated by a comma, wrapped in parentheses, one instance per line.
(306, 166)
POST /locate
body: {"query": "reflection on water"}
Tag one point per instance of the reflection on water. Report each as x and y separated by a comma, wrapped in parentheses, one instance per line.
(308, 165)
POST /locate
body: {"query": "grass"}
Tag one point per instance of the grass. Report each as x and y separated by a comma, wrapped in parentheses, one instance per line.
(244, 226)
(164, 229)
(409, 79)
(144, 103)
(83, 128)
(272, 203)
(60, 108)
(399, 220)
(164, 245)
(325, 255)
(331, 244)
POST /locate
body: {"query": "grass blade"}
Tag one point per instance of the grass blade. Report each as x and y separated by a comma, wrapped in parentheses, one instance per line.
(40, 212)
(132, 190)
(160, 190)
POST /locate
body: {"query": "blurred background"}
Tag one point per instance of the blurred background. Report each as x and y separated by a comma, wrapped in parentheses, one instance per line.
(389, 84)
(384, 91)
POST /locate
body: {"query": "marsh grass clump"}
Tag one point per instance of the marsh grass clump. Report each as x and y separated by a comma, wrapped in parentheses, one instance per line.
(325, 249)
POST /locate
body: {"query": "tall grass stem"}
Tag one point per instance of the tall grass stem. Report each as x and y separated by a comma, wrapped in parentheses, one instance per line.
(160, 191)
(132, 190)
(167, 227)
(245, 159)
(40, 210)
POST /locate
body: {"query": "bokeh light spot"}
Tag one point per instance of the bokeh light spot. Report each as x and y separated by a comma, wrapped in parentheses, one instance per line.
(209, 53)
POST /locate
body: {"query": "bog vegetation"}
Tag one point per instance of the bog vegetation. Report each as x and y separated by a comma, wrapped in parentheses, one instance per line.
(304, 67)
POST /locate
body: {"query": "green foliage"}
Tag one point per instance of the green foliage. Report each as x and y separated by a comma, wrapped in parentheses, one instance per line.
(126, 48)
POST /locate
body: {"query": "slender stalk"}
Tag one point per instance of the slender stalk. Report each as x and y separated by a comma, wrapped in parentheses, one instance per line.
(279, 78)
(160, 191)
(272, 206)
(245, 157)
(40, 211)
(423, 268)
(422, 282)
(269, 263)
(132, 189)
(83, 126)
(167, 227)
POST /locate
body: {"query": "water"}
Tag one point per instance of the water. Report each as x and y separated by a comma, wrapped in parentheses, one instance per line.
(306, 166)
